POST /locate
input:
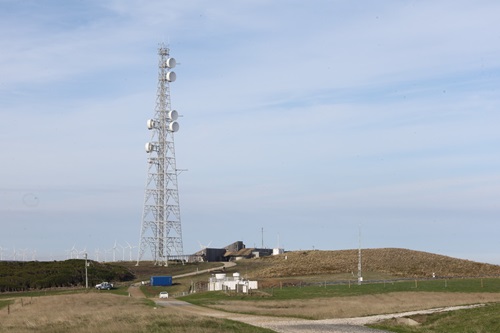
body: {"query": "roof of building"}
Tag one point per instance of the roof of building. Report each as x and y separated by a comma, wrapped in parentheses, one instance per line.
(241, 253)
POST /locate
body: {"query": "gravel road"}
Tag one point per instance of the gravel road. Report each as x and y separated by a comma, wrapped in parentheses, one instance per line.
(288, 325)
(291, 325)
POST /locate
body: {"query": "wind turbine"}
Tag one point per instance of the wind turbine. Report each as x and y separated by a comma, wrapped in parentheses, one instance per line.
(106, 254)
(82, 252)
(114, 252)
(130, 247)
(74, 252)
(1, 252)
(203, 247)
(68, 254)
(123, 251)
(24, 254)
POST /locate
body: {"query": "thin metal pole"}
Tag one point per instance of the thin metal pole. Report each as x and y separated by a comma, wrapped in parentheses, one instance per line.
(86, 275)
(360, 276)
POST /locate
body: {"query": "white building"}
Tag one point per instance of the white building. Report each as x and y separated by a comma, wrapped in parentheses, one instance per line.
(278, 251)
(221, 282)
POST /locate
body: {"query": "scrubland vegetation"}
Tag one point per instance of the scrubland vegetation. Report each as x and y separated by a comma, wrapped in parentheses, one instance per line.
(31, 275)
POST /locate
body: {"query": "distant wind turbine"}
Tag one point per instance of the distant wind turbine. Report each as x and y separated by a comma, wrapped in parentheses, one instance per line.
(203, 247)
(96, 254)
(114, 252)
(130, 247)
(123, 251)
(82, 252)
(1, 252)
(24, 254)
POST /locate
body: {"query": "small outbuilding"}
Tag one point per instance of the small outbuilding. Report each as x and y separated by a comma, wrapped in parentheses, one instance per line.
(161, 281)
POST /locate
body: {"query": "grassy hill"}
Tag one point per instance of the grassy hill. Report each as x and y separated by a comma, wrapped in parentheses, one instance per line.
(390, 262)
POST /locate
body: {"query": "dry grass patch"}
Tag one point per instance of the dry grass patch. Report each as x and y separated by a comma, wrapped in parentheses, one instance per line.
(355, 306)
(104, 312)
(391, 262)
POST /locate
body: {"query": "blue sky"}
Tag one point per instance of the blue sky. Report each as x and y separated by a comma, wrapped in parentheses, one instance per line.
(307, 119)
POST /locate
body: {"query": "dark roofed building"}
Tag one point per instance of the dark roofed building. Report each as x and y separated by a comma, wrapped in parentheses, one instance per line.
(234, 251)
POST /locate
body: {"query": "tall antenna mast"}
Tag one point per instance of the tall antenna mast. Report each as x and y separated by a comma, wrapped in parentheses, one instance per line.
(262, 230)
(161, 219)
(360, 277)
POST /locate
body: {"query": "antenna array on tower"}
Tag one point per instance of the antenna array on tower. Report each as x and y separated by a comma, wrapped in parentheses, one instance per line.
(161, 221)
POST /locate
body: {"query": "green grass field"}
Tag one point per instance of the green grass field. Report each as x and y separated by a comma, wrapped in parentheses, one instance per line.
(479, 320)
(489, 285)
(459, 285)
(41, 293)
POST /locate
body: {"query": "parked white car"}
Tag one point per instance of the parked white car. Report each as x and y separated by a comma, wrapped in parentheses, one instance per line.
(163, 294)
(104, 285)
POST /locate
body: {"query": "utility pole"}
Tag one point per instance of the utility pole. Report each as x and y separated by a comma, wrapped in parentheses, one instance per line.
(86, 275)
(360, 277)
(262, 230)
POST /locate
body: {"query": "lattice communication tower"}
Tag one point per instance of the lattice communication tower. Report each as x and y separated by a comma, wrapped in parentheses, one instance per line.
(161, 219)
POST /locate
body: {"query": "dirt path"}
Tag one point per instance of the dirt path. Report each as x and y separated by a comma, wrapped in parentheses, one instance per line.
(292, 325)
(226, 265)
(135, 291)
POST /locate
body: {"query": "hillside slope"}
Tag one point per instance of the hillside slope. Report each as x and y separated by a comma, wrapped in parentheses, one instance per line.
(392, 261)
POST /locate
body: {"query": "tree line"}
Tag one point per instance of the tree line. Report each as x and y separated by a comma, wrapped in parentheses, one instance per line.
(33, 275)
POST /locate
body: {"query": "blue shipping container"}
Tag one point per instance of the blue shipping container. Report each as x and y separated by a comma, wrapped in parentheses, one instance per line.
(161, 280)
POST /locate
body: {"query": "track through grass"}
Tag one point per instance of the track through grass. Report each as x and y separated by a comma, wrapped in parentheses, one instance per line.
(479, 320)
